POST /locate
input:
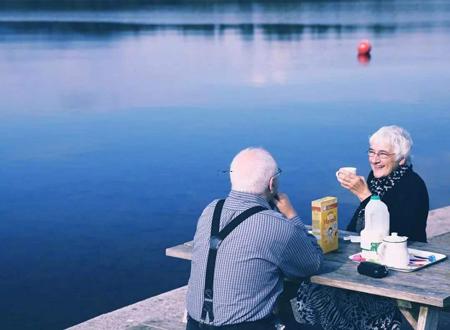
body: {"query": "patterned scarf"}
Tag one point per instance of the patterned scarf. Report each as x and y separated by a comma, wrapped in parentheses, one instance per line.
(379, 186)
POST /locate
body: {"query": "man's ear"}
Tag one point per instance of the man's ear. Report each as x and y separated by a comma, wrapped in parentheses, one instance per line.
(402, 161)
(272, 184)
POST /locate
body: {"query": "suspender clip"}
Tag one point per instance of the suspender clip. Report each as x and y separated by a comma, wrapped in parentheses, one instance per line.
(207, 310)
(214, 242)
(208, 295)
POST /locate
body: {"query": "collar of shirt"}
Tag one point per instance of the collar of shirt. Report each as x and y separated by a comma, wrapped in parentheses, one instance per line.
(247, 198)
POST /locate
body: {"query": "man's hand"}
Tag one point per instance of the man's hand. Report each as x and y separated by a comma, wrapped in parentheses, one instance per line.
(284, 205)
(356, 184)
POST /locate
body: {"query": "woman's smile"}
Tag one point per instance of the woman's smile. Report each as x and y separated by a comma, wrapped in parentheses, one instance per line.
(382, 159)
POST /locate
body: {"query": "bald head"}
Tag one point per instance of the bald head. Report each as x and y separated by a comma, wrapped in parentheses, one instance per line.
(251, 170)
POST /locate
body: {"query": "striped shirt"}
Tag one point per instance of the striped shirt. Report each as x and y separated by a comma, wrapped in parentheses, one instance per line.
(251, 261)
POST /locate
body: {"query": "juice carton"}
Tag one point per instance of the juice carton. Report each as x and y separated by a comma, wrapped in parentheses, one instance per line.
(325, 223)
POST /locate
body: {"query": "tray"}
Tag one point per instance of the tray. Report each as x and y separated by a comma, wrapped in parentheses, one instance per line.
(418, 259)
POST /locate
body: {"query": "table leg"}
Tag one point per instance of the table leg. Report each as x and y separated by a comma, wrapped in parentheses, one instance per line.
(409, 316)
(428, 318)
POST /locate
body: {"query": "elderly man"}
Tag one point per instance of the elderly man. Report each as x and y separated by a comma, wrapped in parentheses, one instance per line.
(243, 249)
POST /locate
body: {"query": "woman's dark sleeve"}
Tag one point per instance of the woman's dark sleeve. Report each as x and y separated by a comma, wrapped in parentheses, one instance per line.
(409, 210)
(352, 225)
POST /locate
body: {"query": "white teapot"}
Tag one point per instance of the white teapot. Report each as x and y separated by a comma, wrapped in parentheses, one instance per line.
(393, 251)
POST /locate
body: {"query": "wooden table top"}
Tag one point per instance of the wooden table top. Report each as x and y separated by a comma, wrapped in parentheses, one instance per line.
(428, 286)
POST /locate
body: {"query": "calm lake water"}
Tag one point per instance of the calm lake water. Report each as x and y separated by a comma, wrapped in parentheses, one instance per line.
(116, 119)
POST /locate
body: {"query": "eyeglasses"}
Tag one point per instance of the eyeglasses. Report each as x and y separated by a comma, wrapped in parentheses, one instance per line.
(381, 154)
(277, 173)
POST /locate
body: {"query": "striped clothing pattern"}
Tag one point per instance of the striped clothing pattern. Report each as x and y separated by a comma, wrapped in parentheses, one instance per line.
(251, 261)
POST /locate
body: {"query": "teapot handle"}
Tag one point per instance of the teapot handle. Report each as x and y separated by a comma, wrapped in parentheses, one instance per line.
(381, 251)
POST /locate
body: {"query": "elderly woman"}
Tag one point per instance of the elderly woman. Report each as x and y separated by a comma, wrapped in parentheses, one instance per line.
(391, 178)
(406, 197)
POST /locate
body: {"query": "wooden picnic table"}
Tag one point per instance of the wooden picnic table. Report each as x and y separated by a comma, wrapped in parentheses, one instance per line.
(427, 291)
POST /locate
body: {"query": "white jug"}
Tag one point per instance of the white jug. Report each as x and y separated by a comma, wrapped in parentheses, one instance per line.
(393, 251)
(376, 227)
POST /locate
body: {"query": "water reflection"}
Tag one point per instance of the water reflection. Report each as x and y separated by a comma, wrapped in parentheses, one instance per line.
(376, 7)
(57, 29)
(364, 59)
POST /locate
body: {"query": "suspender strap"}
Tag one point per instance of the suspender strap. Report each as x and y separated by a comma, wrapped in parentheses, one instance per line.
(238, 220)
(216, 217)
(212, 254)
(214, 243)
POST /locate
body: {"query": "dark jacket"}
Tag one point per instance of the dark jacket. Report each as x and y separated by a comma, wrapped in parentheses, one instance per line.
(408, 207)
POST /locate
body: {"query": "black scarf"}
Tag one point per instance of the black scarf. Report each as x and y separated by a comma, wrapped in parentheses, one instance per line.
(379, 186)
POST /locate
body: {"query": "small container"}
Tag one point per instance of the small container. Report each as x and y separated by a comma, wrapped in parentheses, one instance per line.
(393, 252)
(325, 223)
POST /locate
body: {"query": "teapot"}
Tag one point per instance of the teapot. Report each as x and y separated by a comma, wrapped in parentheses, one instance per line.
(393, 251)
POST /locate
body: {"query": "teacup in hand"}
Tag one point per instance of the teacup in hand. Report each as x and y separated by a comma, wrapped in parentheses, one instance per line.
(346, 170)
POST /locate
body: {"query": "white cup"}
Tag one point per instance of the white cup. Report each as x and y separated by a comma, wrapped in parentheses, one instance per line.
(346, 170)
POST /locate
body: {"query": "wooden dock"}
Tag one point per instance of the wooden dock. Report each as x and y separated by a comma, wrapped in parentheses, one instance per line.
(166, 311)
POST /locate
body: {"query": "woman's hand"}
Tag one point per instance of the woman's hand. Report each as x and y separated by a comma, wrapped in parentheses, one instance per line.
(356, 184)
(284, 205)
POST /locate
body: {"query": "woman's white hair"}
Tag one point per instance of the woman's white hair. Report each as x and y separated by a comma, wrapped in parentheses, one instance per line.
(398, 138)
(251, 170)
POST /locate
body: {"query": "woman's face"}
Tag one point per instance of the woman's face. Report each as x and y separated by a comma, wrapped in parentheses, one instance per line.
(382, 159)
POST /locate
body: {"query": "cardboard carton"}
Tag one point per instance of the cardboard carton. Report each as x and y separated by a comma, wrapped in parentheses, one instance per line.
(325, 223)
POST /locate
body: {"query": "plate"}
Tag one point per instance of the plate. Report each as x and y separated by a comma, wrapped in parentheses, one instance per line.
(418, 259)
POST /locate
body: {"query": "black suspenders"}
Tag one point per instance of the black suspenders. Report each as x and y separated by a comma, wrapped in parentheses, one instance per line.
(214, 243)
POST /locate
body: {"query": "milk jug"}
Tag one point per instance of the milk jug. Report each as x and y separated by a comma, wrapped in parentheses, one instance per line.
(376, 227)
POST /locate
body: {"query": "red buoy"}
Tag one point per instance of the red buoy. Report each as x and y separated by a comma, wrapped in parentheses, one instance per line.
(364, 47)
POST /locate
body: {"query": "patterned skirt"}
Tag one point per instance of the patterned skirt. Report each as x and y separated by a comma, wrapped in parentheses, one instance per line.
(334, 309)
